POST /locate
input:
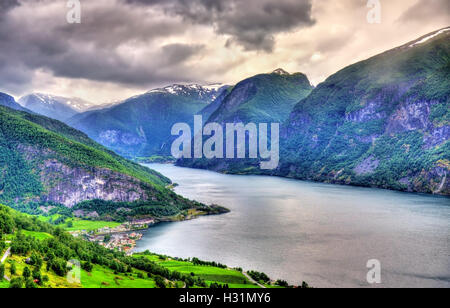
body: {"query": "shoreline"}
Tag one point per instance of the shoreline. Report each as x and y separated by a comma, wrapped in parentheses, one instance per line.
(309, 180)
(125, 237)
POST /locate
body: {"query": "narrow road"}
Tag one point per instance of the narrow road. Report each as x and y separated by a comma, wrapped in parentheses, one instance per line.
(253, 281)
(6, 255)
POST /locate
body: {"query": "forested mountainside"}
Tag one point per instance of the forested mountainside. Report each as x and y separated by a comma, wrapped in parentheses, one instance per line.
(383, 122)
(141, 125)
(43, 162)
(264, 98)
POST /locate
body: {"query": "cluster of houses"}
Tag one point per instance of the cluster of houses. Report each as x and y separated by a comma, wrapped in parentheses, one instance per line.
(123, 241)
(122, 237)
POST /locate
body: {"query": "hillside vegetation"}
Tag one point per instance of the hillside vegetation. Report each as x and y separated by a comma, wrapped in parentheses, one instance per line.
(43, 162)
(141, 126)
(43, 255)
(264, 98)
(383, 122)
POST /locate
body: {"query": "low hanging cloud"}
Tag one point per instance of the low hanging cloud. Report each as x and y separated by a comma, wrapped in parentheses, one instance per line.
(425, 10)
(251, 24)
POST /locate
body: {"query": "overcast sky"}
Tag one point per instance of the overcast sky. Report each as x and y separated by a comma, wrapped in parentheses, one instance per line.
(126, 47)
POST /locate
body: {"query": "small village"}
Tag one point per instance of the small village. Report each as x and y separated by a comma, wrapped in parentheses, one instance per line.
(122, 238)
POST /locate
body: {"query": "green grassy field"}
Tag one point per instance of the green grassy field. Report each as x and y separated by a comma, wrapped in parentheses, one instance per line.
(233, 278)
(39, 235)
(79, 224)
(4, 284)
(104, 277)
(89, 225)
(101, 277)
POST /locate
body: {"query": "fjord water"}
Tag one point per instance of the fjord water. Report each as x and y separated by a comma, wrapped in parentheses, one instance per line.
(323, 234)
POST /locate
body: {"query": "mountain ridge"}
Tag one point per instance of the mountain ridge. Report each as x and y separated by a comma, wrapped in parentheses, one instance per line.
(141, 125)
(263, 98)
(382, 122)
(9, 101)
(55, 107)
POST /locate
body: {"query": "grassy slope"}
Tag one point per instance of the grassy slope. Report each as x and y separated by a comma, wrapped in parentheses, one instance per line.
(80, 224)
(38, 235)
(233, 278)
(101, 276)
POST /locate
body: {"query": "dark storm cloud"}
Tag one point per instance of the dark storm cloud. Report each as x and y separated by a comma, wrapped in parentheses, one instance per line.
(42, 39)
(178, 53)
(252, 24)
(122, 41)
(8, 4)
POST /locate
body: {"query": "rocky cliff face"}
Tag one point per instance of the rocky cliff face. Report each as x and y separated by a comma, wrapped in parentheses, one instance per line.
(69, 185)
(43, 163)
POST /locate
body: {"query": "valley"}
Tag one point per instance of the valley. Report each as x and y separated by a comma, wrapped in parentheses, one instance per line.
(103, 185)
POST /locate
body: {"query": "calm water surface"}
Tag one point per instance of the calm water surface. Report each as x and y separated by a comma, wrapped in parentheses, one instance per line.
(323, 234)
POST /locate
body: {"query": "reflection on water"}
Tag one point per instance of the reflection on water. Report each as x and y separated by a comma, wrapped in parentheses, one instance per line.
(324, 234)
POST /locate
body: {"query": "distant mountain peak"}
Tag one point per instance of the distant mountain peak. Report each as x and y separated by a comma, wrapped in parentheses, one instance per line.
(9, 101)
(209, 92)
(280, 71)
(56, 107)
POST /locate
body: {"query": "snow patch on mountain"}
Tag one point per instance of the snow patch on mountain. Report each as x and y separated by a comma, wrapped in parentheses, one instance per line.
(208, 92)
(77, 104)
(429, 37)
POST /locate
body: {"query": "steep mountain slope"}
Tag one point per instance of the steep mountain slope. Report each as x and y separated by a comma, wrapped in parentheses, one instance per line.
(263, 98)
(9, 101)
(45, 162)
(55, 107)
(141, 125)
(383, 122)
(207, 112)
